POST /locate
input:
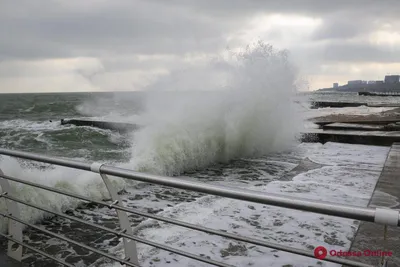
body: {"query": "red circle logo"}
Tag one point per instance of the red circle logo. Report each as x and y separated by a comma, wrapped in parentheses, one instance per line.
(320, 252)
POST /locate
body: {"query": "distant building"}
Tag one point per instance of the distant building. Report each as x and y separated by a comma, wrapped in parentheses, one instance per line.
(354, 82)
(391, 83)
(392, 79)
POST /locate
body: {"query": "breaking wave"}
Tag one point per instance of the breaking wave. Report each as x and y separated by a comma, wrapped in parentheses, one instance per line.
(248, 110)
(251, 114)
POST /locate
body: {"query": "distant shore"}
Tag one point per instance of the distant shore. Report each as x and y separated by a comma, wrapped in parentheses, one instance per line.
(355, 88)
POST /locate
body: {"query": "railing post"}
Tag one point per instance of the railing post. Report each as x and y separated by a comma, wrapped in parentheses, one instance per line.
(129, 245)
(14, 228)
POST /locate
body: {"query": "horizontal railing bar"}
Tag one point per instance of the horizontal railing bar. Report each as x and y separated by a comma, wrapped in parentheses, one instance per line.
(46, 159)
(321, 207)
(194, 227)
(36, 250)
(120, 234)
(122, 261)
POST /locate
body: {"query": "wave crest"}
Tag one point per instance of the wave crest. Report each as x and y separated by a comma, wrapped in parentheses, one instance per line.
(252, 115)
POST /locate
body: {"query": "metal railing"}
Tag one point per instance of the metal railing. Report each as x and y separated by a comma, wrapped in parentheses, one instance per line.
(15, 243)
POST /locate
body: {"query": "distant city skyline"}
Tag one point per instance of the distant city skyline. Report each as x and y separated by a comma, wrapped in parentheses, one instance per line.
(125, 45)
(389, 84)
(389, 78)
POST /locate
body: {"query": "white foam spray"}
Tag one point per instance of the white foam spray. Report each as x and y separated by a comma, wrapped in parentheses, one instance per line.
(253, 114)
(66, 179)
(249, 112)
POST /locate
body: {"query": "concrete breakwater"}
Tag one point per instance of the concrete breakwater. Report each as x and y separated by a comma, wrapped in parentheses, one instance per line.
(373, 129)
(372, 132)
(118, 126)
(334, 104)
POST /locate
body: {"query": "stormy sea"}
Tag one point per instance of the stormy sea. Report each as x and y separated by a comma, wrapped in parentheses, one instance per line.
(245, 135)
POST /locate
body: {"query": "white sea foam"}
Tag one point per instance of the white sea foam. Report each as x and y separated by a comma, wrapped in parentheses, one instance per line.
(84, 183)
(337, 183)
(27, 125)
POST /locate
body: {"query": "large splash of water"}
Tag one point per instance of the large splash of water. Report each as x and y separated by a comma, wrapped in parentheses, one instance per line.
(248, 110)
(251, 113)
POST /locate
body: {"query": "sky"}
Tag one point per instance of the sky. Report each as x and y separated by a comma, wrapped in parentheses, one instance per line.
(114, 45)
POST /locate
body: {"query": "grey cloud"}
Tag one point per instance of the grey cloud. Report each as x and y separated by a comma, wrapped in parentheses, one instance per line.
(117, 31)
(123, 27)
(360, 52)
(45, 29)
(233, 8)
(347, 24)
(341, 51)
(341, 28)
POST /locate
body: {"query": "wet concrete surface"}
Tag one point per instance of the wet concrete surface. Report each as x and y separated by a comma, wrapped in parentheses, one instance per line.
(6, 261)
(370, 236)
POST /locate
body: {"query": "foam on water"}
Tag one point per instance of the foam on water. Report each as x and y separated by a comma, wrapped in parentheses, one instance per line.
(27, 125)
(40, 127)
(84, 183)
(337, 182)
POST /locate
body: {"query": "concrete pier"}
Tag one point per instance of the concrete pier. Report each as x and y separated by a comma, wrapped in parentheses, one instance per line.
(6, 261)
(373, 121)
(332, 104)
(382, 129)
(118, 126)
(386, 194)
(353, 126)
(377, 138)
(329, 104)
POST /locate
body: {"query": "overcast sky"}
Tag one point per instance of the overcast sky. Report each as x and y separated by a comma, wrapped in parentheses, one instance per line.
(90, 45)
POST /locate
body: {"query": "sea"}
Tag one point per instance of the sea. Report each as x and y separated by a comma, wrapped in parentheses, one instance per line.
(233, 121)
(243, 140)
